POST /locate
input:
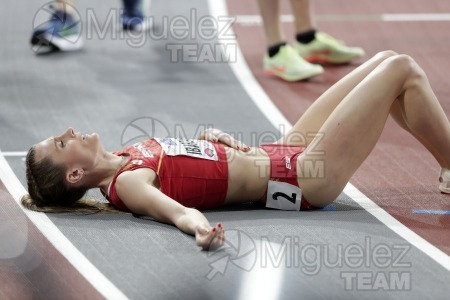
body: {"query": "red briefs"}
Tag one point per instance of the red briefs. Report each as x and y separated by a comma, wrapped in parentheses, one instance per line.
(283, 168)
(194, 173)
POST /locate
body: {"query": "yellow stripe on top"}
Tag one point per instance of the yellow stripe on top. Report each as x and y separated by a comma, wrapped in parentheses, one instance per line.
(160, 161)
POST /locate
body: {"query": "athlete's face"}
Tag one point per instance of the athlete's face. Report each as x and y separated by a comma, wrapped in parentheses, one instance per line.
(72, 149)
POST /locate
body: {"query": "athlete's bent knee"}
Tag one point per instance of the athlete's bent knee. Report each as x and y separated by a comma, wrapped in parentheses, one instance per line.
(386, 53)
(399, 68)
(415, 74)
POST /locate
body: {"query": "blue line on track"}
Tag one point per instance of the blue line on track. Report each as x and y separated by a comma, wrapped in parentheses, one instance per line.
(431, 212)
(329, 208)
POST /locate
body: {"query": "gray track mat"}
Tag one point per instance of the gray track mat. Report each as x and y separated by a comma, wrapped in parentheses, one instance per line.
(126, 93)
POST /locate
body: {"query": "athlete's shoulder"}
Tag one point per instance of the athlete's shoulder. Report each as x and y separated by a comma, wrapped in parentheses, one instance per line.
(132, 177)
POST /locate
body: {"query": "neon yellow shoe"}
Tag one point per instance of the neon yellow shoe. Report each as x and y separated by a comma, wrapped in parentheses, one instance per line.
(326, 49)
(290, 66)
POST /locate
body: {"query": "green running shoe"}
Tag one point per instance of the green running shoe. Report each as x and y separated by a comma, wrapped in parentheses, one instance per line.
(290, 66)
(326, 49)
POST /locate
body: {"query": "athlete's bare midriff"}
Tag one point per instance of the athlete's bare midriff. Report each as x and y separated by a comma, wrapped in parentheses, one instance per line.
(248, 175)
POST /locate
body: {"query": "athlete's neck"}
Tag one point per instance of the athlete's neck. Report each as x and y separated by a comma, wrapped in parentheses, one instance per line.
(105, 170)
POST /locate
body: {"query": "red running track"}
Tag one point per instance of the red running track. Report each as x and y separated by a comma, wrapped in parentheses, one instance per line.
(30, 267)
(399, 175)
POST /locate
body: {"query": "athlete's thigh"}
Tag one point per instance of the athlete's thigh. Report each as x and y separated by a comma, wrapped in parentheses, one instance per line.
(309, 124)
(352, 130)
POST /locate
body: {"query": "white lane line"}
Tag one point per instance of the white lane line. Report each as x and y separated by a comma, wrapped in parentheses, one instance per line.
(415, 17)
(57, 238)
(245, 76)
(254, 20)
(271, 112)
(14, 153)
(384, 217)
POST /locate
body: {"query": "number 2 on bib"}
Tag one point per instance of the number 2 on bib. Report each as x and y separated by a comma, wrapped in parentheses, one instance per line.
(284, 196)
(280, 194)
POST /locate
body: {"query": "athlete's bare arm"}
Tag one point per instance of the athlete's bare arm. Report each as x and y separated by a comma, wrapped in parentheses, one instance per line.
(217, 135)
(134, 189)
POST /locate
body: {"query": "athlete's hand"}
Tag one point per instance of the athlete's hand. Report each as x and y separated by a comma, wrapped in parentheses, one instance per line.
(209, 238)
(216, 135)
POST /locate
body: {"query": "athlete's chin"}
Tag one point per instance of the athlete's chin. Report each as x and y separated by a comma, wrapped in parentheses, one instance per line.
(94, 138)
(95, 142)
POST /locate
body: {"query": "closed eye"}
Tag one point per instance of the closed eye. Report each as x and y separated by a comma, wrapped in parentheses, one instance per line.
(61, 143)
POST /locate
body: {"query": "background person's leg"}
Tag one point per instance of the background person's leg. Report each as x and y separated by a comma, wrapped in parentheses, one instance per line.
(302, 11)
(66, 5)
(281, 60)
(270, 14)
(134, 15)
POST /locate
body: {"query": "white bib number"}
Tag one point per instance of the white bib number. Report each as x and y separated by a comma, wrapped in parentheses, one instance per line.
(284, 196)
(194, 148)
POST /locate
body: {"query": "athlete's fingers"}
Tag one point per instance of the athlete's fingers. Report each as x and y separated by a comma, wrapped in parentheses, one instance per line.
(203, 135)
(222, 235)
(216, 239)
(215, 135)
(219, 239)
(224, 138)
(209, 136)
(231, 141)
(244, 147)
(238, 145)
(217, 244)
(219, 230)
(209, 239)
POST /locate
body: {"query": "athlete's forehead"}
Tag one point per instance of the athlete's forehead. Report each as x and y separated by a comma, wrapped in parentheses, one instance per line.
(45, 148)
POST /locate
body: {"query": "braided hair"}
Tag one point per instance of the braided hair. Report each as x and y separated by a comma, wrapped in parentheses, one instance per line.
(49, 192)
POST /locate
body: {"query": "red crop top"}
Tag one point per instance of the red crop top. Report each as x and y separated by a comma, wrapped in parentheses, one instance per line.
(192, 172)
